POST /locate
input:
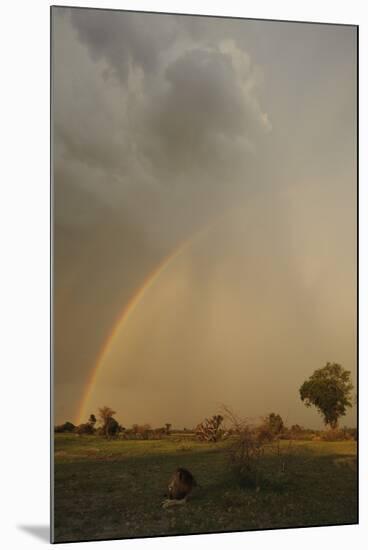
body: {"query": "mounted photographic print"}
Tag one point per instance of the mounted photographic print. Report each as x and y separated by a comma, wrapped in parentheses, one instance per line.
(204, 244)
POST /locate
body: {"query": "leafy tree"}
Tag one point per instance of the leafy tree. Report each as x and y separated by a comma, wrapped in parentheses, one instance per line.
(92, 420)
(111, 428)
(104, 413)
(329, 390)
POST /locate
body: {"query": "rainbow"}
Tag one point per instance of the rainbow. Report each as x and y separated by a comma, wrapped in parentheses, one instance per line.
(126, 313)
(128, 309)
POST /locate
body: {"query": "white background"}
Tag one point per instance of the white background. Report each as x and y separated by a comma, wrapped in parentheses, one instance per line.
(24, 271)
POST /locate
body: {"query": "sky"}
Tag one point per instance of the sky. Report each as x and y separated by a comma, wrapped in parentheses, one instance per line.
(204, 218)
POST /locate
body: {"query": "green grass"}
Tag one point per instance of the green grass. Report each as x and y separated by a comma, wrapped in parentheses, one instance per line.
(114, 489)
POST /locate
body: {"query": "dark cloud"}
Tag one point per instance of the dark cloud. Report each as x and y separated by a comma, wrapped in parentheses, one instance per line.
(125, 41)
(190, 102)
(170, 129)
(203, 110)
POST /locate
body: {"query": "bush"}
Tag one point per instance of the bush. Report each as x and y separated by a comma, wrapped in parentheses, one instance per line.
(336, 435)
(300, 433)
(142, 431)
(67, 427)
(85, 429)
(264, 433)
(353, 432)
(158, 433)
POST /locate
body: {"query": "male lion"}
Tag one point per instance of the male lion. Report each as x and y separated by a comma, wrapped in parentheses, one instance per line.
(180, 485)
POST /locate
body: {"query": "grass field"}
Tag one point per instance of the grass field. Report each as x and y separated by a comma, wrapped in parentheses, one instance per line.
(114, 489)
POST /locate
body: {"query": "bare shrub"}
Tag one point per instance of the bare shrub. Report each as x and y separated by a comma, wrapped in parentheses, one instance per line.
(245, 454)
(255, 455)
(209, 429)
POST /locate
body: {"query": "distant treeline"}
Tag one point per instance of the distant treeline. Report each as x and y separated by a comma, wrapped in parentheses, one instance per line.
(209, 430)
(107, 426)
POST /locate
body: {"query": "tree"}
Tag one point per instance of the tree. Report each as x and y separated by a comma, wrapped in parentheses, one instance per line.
(92, 420)
(329, 390)
(275, 423)
(167, 428)
(104, 413)
(110, 426)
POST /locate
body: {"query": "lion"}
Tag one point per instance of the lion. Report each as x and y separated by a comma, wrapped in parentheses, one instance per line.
(180, 485)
